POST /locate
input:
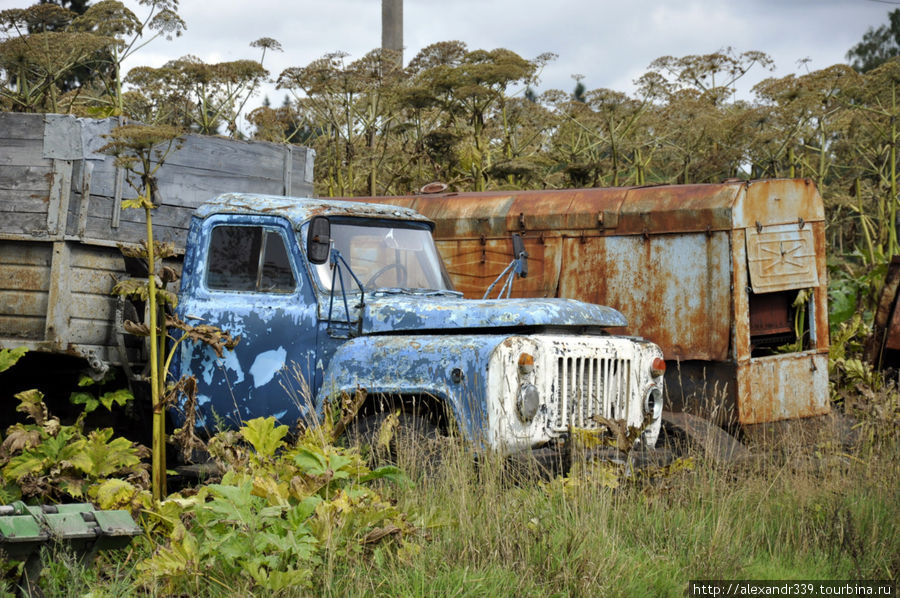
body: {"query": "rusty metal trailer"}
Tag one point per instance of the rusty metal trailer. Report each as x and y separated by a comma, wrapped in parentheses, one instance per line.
(728, 279)
(61, 221)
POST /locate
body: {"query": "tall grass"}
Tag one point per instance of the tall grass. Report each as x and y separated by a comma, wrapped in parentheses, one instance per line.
(804, 512)
(807, 509)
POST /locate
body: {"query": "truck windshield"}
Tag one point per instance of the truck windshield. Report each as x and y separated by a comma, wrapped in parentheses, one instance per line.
(386, 256)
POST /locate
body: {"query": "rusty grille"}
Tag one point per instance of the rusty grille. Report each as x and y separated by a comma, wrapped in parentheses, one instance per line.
(589, 386)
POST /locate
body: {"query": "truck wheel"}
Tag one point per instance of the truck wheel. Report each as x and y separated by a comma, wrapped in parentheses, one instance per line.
(408, 440)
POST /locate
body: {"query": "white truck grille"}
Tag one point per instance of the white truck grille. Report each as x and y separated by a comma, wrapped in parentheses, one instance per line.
(589, 386)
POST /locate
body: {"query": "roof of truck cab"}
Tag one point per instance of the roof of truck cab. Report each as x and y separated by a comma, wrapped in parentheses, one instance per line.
(301, 209)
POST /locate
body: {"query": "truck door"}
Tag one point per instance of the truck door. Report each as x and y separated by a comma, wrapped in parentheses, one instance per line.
(247, 280)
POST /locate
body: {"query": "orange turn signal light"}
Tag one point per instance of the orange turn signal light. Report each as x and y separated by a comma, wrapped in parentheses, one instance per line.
(526, 363)
(658, 367)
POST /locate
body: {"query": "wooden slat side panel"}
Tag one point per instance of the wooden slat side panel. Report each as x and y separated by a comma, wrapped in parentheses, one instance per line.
(90, 306)
(24, 281)
(24, 303)
(30, 254)
(27, 226)
(27, 178)
(93, 273)
(92, 332)
(132, 232)
(22, 152)
(24, 278)
(22, 202)
(24, 327)
(21, 126)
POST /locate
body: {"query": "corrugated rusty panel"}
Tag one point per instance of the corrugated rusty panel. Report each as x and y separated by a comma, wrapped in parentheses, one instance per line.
(469, 216)
(678, 208)
(24, 282)
(474, 265)
(741, 301)
(781, 257)
(778, 201)
(787, 386)
(820, 294)
(585, 210)
(675, 290)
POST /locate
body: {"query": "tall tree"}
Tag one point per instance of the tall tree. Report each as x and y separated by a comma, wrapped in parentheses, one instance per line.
(877, 45)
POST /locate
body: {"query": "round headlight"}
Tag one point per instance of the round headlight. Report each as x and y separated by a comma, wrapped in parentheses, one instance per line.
(653, 403)
(528, 402)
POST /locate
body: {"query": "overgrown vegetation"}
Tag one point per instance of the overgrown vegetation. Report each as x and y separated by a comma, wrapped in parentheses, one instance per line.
(50, 461)
(292, 516)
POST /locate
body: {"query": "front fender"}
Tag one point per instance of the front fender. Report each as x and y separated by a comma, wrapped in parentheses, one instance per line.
(450, 368)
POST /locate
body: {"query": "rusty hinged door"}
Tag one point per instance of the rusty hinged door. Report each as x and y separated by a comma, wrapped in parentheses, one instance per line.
(781, 257)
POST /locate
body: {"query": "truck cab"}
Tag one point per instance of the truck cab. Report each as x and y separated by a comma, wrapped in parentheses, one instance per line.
(329, 297)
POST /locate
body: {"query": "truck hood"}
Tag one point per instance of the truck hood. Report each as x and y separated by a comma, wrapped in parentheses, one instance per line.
(396, 312)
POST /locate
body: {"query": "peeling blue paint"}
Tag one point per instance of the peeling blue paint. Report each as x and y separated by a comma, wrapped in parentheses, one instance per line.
(266, 365)
(393, 313)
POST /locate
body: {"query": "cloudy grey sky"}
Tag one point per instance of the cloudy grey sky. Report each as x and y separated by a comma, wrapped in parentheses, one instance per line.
(609, 42)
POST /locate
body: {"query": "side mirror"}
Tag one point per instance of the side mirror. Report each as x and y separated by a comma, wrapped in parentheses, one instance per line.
(520, 255)
(318, 240)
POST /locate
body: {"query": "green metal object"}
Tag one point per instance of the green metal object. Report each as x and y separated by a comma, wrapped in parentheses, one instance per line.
(24, 529)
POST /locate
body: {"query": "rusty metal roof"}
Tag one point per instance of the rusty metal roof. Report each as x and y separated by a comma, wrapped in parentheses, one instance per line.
(300, 209)
(658, 209)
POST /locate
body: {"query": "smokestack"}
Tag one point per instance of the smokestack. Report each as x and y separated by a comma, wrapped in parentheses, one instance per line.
(392, 27)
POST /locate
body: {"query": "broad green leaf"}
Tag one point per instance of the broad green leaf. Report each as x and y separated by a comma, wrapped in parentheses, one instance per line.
(22, 465)
(298, 515)
(387, 472)
(89, 401)
(113, 494)
(311, 463)
(9, 357)
(265, 437)
(119, 397)
(86, 381)
(842, 302)
(136, 202)
(101, 457)
(337, 463)
(31, 402)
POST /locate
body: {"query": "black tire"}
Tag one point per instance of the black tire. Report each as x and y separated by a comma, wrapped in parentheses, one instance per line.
(414, 442)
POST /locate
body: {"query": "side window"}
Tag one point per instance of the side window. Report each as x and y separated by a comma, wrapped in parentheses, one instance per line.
(249, 258)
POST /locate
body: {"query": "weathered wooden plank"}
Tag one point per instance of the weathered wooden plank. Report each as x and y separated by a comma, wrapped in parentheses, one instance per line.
(21, 126)
(60, 192)
(22, 152)
(90, 281)
(105, 259)
(185, 187)
(59, 296)
(28, 226)
(99, 333)
(23, 303)
(15, 253)
(31, 178)
(131, 232)
(21, 326)
(87, 170)
(20, 277)
(166, 215)
(89, 306)
(22, 203)
(257, 158)
(301, 172)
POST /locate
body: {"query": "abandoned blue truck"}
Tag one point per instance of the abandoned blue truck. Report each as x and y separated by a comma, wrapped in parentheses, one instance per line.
(331, 297)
